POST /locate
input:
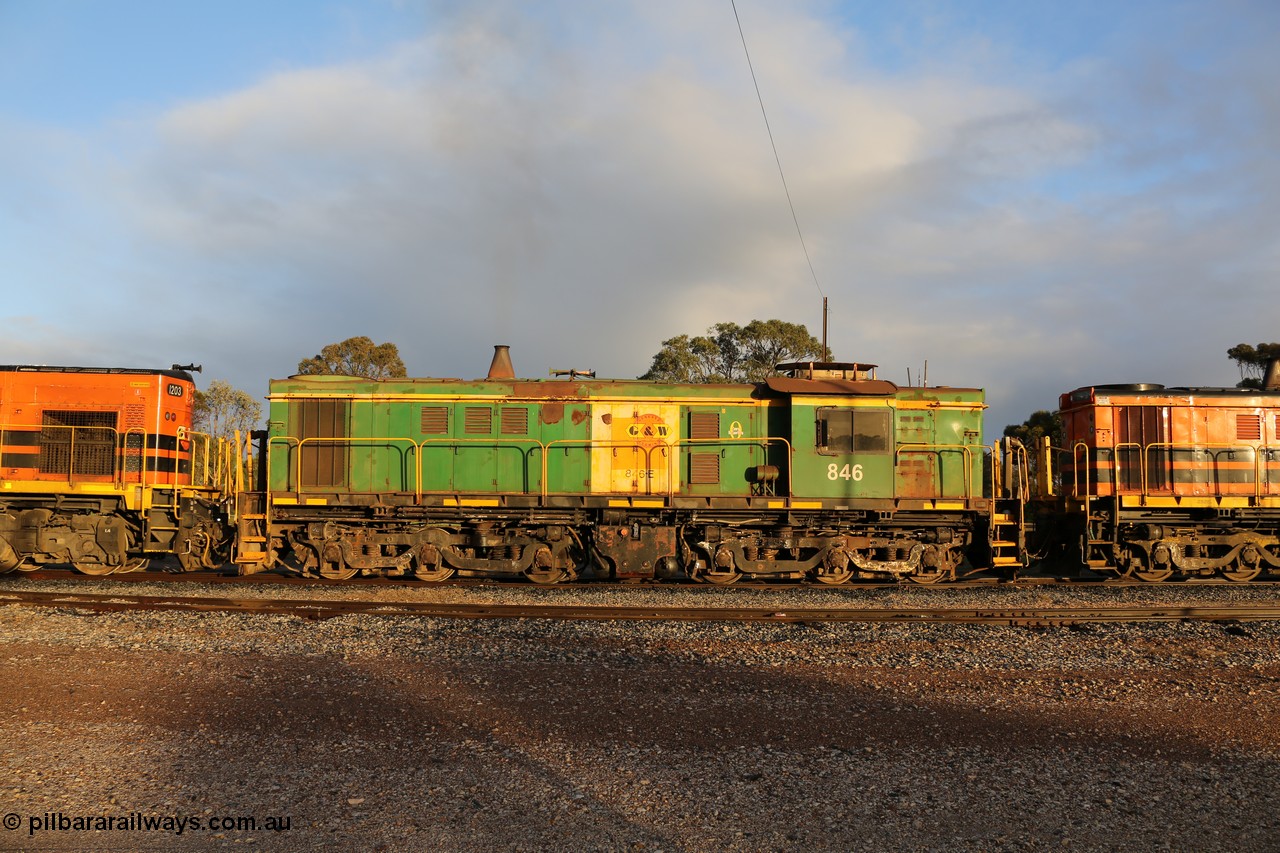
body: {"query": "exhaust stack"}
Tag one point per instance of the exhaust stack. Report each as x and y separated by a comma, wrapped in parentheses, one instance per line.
(500, 367)
(1271, 381)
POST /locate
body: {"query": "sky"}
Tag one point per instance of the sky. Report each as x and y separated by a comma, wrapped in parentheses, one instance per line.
(1027, 196)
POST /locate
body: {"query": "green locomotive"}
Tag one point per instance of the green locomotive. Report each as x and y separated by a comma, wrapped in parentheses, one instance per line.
(824, 473)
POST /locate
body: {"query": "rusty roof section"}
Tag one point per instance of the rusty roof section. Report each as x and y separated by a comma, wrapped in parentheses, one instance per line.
(847, 387)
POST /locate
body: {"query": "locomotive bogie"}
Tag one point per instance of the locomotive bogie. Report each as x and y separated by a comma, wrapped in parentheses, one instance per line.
(89, 535)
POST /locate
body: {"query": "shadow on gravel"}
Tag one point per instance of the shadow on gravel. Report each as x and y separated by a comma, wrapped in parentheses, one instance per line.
(634, 750)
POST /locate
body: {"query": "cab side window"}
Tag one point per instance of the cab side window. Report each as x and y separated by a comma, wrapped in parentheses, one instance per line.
(852, 431)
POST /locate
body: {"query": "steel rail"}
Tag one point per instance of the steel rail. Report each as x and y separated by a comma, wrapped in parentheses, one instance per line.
(214, 576)
(319, 609)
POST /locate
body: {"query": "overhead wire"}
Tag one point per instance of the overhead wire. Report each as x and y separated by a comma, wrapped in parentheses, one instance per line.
(777, 159)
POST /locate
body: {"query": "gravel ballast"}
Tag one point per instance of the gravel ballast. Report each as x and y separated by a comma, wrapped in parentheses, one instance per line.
(366, 732)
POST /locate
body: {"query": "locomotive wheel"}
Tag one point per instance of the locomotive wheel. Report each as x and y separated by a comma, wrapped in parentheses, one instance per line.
(428, 565)
(716, 578)
(433, 574)
(134, 564)
(1246, 566)
(332, 565)
(834, 578)
(725, 570)
(547, 576)
(545, 569)
(931, 576)
(337, 572)
(1153, 575)
(92, 567)
(1242, 571)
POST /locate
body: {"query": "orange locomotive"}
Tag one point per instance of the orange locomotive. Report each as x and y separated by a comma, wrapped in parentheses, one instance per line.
(99, 468)
(1174, 482)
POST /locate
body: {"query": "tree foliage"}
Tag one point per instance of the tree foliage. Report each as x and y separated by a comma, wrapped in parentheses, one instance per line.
(220, 410)
(1252, 362)
(733, 353)
(1033, 429)
(358, 356)
(1031, 432)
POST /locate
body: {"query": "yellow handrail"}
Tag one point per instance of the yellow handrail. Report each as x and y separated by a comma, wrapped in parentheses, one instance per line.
(589, 444)
(116, 447)
(1256, 450)
(500, 443)
(340, 440)
(1260, 453)
(764, 441)
(532, 445)
(966, 449)
(1115, 464)
(1075, 468)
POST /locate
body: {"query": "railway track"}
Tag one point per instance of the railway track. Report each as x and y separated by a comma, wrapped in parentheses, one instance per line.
(320, 609)
(216, 577)
(228, 577)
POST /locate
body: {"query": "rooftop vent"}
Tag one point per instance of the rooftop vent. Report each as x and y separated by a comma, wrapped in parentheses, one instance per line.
(500, 367)
(827, 370)
(1271, 381)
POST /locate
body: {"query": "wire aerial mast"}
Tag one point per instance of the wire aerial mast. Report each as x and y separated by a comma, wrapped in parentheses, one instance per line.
(781, 174)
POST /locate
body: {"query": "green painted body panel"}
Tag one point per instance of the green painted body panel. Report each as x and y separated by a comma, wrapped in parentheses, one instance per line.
(948, 423)
(824, 473)
(340, 434)
(928, 446)
(722, 447)
(448, 436)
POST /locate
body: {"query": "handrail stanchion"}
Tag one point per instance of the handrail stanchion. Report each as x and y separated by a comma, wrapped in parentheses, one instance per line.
(965, 449)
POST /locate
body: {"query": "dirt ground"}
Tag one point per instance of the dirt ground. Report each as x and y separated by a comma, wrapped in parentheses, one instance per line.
(671, 745)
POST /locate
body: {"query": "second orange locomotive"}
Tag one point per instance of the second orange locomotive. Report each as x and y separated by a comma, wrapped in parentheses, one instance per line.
(1160, 483)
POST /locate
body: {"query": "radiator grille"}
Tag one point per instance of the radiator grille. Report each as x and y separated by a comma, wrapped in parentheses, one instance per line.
(435, 420)
(704, 425)
(514, 421)
(478, 420)
(704, 468)
(322, 426)
(1248, 427)
(78, 442)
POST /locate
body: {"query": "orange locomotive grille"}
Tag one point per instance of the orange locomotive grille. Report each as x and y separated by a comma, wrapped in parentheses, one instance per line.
(82, 443)
(90, 448)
